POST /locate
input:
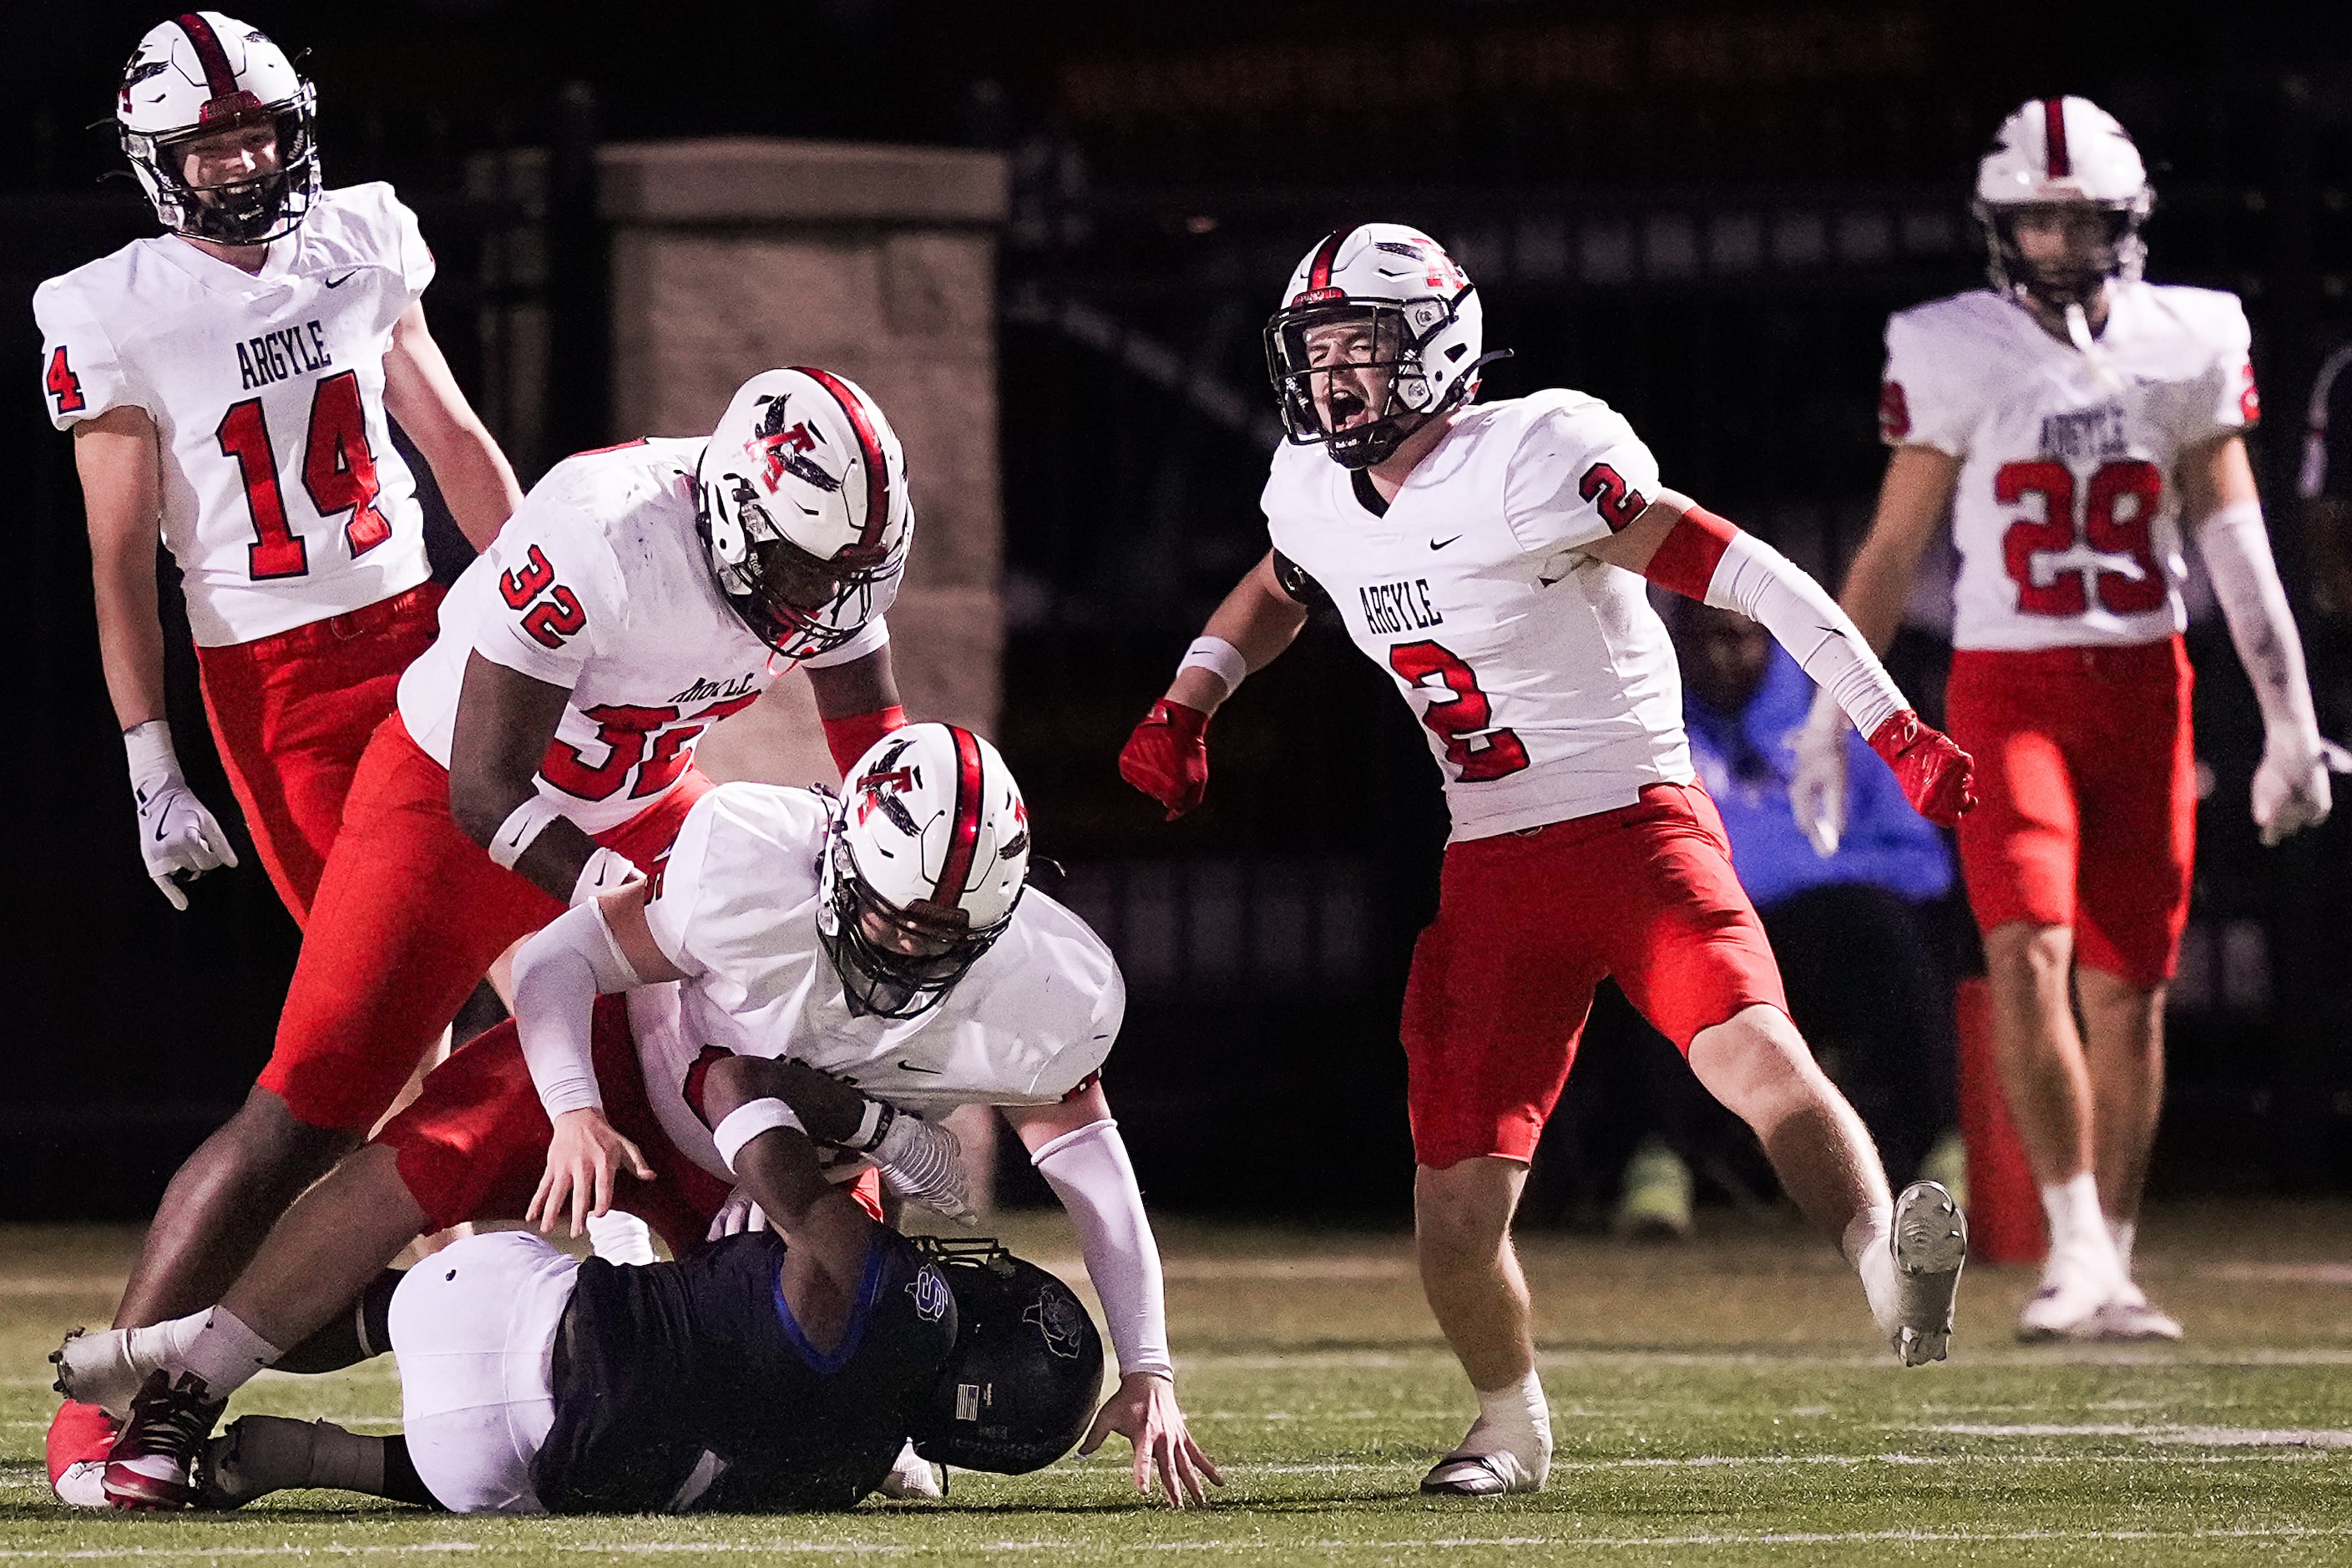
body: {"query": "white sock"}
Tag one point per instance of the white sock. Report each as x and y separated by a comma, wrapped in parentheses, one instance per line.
(620, 1237)
(165, 1344)
(1516, 1417)
(1868, 1246)
(226, 1353)
(2124, 1232)
(2075, 1223)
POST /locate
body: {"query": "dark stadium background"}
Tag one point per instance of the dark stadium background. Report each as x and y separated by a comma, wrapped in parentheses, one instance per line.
(1170, 164)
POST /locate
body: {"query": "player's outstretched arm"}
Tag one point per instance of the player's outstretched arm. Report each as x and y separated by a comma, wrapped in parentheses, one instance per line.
(122, 487)
(1167, 757)
(505, 720)
(420, 392)
(1076, 1148)
(2290, 790)
(1679, 544)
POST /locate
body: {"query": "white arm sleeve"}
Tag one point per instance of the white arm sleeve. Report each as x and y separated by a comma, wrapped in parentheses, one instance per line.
(558, 976)
(2237, 553)
(1777, 593)
(1088, 1171)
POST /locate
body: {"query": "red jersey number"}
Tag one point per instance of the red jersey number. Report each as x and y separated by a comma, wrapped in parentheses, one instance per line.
(1458, 714)
(551, 619)
(1618, 503)
(63, 384)
(2117, 515)
(338, 474)
(653, 737)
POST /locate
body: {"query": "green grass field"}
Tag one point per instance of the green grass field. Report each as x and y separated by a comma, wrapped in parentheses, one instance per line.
(1716, 1402)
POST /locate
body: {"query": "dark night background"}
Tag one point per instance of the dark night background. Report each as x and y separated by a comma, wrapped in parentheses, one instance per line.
(1702, 212)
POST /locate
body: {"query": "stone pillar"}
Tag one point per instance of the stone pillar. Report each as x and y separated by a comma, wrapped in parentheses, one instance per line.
(734, 256)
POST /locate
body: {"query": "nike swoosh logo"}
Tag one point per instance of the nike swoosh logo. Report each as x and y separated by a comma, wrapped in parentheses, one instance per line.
(1441, 543)
(906, 1066)
(339, 282)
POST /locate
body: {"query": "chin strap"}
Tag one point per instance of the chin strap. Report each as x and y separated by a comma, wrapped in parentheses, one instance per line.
(2103, 369)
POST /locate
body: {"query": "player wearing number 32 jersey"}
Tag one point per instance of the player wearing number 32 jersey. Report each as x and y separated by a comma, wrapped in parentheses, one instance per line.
(1491, 559)
(230, 381)
(2075, 423)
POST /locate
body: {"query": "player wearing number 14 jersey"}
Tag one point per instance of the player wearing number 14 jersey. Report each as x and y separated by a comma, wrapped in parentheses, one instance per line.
(2075, 422)
(1490, 559)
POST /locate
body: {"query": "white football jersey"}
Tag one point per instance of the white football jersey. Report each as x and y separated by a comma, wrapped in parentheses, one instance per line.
(284, 498)
(1547, 683)
(2067, 514)
(734, 905)
(600, 584)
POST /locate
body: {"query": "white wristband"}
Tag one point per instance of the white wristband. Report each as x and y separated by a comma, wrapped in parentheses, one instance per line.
(747, 1121)
(523, 825)
(153, 762)
(1220, 659)
(607, 870)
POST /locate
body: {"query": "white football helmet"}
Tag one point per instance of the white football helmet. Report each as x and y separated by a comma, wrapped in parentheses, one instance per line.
(802, 499)
(923, 866)
(2062, 152)
(1425, 326)
(197, 75)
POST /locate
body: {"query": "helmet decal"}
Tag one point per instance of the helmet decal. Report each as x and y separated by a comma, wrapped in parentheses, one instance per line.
(963, 828)
(220, 77)
(1318, 272)
(784, 449)
(2053, 122)
(869, 450)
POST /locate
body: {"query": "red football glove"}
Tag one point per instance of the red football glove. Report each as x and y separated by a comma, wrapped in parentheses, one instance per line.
(1168, 756)
(1937, 776)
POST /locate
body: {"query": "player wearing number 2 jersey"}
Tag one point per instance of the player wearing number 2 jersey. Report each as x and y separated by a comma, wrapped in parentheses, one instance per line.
(230, 385)
(1491, 559)
(639, 594)
(2075, 423)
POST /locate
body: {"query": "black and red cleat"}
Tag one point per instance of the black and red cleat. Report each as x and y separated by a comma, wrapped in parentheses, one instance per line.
(152, 1464)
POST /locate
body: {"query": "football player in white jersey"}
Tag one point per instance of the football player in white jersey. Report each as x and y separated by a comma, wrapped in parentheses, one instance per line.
(1491, 558)
(2076, 423)
(230, 383)
(639, 594)
(795, 962)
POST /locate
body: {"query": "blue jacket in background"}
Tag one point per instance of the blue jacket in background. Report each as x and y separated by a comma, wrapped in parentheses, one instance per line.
(1745, 760)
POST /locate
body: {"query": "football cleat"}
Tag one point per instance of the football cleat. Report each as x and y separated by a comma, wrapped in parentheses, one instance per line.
(1481, 1475)
(1930, 1238)
(2126, 1316)
(914, 1477)
(256, 1456)
(98, 1369)
(80, 1437)
(153, 1463)
(1656, 1201)
(2075, 1284)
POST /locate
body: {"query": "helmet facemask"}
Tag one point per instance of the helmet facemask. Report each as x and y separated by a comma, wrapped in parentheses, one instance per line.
(253, 211)
(2074, 278)
(1350, 376)
(796, 602)
(894, 962)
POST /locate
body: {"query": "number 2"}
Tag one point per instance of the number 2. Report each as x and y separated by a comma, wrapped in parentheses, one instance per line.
(338, 473)
(1459, 714)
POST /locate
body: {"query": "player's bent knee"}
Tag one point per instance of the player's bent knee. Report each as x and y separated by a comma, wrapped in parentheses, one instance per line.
(1758, 1066)
(2044, 951)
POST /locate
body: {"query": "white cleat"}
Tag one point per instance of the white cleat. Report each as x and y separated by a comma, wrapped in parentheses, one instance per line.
(913, 1477)
(81, 1484)
(98, 1369)
(2128, 1317)
(1930, 1239)
(1482, 1474)
(2075, 1285)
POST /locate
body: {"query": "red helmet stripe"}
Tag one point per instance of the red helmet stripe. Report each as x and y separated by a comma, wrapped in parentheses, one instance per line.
(2053, 124)
(1318, 275)
(219, 79)
(869, 450)
(963, 828)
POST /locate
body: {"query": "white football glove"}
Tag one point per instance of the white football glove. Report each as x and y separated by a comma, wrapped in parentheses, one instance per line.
(1817, 783)
(176, 835)
(923, 1162)
(607, 871)
(2291, 788)
(741, 1213)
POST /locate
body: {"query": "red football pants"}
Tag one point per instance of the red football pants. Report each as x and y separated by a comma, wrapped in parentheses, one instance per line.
(409, 915)
(1528, 923)
(292, 715)
(2087, 786)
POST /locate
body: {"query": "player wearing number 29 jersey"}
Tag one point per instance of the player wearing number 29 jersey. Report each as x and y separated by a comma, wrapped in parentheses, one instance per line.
(1491, 559)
